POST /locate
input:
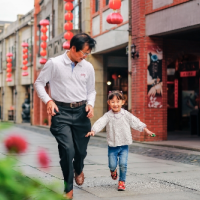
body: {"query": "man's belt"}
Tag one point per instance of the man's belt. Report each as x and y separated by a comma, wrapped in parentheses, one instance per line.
(71, 105)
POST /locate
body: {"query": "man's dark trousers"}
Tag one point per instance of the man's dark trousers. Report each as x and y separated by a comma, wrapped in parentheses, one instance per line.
(69, 126)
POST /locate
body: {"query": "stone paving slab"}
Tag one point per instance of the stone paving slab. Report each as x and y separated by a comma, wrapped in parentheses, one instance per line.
(187, 179)
(135, 185)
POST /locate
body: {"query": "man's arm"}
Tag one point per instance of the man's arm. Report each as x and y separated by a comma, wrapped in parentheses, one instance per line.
(91, 94)
(44, 77)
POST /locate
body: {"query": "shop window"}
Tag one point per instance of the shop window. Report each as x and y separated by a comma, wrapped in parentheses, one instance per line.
(107, 2)
(96, 5)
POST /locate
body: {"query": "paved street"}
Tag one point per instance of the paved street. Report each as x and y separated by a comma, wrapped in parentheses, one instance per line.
(154, 172)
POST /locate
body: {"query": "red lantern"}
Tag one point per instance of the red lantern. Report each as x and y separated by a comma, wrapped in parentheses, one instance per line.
(9, 80)
(43, 53)
(114, 76)
(9, 70)
(44, 29)
(44, 22)
(44, 45)
(68, 16)
(66, 45)
(69, 6)
(114, 18)
(68, 35)
(115, 4)
(24, 73)
(43, 61)
(9, 55)
(25, 56)
(9, 65)
(25, 50)
(25, 62)
(69, 0)
(24, 44)
(9, 75)
(9, 60)
(24, 67)
(108, 19)
(44, 37)
(68, 26)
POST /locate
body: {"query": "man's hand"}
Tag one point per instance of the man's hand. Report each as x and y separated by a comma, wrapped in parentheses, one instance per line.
(90, 111)
(149, 132)
(50, 108)
(90, 134)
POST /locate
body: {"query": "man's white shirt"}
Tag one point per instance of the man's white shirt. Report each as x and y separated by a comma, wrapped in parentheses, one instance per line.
(66, 84)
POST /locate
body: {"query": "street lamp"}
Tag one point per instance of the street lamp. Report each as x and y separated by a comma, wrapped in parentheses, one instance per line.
(133, 51)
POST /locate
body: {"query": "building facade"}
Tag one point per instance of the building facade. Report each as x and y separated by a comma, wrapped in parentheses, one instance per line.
(152, 57)
(168, 64)
(17, 92)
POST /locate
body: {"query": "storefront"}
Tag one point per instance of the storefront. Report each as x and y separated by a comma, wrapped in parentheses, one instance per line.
(183, 92)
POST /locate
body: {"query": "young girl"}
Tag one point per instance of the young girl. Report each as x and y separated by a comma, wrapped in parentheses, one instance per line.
(118, 122)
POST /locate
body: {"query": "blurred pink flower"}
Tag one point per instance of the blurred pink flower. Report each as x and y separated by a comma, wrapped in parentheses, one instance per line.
(15, 144)
(43, 158)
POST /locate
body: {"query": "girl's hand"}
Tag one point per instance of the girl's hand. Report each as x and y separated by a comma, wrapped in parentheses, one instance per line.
(149, 132)
(90, 134)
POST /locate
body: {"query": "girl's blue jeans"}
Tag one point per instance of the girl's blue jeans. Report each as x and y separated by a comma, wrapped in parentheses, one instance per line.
(118, 155)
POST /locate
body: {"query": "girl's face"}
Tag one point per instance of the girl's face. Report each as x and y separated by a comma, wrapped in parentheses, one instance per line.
(115, 104)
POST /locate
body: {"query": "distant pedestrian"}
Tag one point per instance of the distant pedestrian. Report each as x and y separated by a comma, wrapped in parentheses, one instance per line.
(118, 122)
(72, 84)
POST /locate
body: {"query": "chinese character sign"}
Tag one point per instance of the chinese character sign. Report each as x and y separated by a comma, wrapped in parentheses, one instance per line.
(154, 77)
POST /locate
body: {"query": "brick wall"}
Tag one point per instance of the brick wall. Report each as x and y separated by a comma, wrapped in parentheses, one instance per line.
(155, 118)
(149, 5)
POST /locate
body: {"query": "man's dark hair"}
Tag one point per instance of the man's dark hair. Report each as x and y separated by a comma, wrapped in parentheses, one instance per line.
(79, 40)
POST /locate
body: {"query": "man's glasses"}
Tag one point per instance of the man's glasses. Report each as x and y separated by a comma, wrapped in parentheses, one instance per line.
(85, 54)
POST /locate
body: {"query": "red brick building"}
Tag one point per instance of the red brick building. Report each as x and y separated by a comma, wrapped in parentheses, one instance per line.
(165, 77)
(159, 75)
(161, 27)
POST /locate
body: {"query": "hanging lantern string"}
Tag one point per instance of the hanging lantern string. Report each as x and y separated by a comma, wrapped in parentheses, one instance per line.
(115, 17)
(25, 58)
(44, 23)
(9, 67)
(68, 26)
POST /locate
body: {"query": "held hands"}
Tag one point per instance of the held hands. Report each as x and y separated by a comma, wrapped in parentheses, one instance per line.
(90, 134)
(50, 108)
(149, 132)
(90, 111)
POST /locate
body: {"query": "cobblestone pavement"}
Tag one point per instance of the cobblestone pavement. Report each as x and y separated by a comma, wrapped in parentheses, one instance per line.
(152, 173)
(141, 149)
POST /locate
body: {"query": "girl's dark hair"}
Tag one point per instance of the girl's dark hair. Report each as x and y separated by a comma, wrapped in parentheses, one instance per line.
(79, 40)
(117, 93)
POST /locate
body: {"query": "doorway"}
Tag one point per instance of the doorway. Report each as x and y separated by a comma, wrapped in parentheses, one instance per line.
(183, 96)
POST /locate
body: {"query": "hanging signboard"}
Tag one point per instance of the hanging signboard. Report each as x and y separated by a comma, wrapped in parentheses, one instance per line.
(154, 77)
